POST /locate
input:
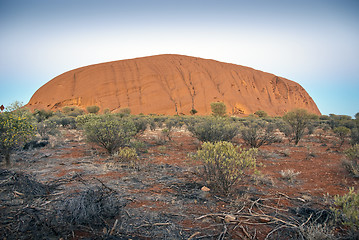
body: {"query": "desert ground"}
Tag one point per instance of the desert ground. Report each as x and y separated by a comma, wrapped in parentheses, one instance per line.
(72, 189)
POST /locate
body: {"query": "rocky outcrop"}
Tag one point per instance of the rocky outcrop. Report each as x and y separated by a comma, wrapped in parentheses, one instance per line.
(172, 84)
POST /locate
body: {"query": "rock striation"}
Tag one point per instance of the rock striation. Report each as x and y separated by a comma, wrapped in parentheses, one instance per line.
(172, 84)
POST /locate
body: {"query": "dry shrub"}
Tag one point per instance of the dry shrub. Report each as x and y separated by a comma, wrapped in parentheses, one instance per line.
(315, 231)
(289, 175)
(90, 207)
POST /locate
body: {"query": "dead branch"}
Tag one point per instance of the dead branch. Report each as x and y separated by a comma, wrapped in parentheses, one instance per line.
(153, 225)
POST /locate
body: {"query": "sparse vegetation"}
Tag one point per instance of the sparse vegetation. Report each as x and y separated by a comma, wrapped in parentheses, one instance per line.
(225, 164)
(257, 133)
(105, 196)
(214, 129)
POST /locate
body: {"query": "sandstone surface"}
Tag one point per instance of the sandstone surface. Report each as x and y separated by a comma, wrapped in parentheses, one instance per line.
(172, 84)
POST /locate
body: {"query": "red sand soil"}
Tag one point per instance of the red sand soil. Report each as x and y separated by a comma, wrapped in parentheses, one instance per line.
(172, 84)
(168, 183)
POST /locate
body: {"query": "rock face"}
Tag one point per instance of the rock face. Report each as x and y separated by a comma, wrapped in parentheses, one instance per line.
(172, 84)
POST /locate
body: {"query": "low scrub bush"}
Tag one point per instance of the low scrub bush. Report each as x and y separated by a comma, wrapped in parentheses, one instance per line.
(90, 207)
(341, 132)
(261, 114)
(354, 136)
(42, 115)
(214, 129)
(258, 133)
(140, 123)
(126, 154)
(140, 146)
(225, 164)
(125, 111)
(347, 209)
(15, 130)
(46, 128)
(352, 161)
(72, 111)
(219, 109)
(109, 132)
(93, 109)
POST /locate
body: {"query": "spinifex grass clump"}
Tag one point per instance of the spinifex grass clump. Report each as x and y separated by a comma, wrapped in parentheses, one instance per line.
(90, 207)
(225, 164)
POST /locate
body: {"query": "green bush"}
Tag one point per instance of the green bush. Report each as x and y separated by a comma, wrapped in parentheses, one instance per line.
(46, 128)
(261, 114)
(348, 209)
(64, 121)
(341, 132)
(126, 154)
(219, 109)
(354, 136)
(109, 132)
(224, 164)
(258, 133)
(141, 123)
(125, 111)
(42, 115)
(82, 119)
(72, 111)
(193, 111)
(93, 109)
(15, 130)
(213, 129)
(298, 120)
(352, 162)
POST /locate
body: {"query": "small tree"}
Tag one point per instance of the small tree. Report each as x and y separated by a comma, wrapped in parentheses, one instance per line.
(341, 132)
(219, 109)
(15, 130)
(93, 109)
(298, 121)
(224, 164)
(193, 111)
(109, 132)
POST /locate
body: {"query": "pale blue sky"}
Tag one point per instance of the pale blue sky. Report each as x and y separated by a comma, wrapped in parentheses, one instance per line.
(315, 43)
